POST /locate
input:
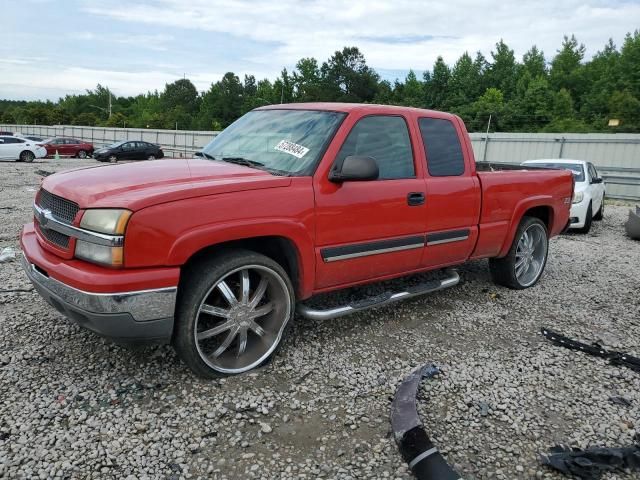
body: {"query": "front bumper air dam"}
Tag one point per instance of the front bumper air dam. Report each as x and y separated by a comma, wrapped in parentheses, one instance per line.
(130, 317)
(416, 448)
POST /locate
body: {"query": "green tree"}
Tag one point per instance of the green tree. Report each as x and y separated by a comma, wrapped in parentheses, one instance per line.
(625, 107)
(566, 67)
(490, 104)
(502, 72)
(437, 85)
(630, 63)
(465, 83)
(307, 81)
(413, 91)
(602, 77)
(346, 77)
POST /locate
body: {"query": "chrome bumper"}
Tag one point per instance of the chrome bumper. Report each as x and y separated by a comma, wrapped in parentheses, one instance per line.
(142, 305)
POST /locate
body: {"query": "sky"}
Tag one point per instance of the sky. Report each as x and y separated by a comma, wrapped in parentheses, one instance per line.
(51, 48)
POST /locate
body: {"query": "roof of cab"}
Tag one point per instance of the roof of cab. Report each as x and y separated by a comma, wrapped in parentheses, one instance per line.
(351, 107)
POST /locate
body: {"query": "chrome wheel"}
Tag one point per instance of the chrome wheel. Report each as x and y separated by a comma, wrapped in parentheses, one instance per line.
(151, 157)
(82, 154)
(113, 158)
(531, 254)
(241, 319)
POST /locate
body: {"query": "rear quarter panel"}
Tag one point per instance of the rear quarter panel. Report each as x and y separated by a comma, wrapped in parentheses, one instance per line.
(506, 197)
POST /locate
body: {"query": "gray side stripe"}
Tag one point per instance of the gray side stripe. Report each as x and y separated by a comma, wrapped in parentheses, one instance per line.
(374, 252)
(448, 240)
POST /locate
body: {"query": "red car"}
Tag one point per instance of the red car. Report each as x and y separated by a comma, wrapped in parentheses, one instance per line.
(214, 254)
(68, 147)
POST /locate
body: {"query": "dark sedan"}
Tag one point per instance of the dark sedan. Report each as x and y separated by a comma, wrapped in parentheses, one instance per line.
(128, 150)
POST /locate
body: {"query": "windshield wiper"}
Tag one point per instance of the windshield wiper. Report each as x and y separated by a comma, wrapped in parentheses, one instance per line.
(243, 161)
(205, 155)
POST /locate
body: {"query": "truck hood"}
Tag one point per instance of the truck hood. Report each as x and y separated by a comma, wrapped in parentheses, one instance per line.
(139, 185)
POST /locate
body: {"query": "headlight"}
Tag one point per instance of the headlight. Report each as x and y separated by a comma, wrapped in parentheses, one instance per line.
(92, 252)
(110, 221)
(578, 197)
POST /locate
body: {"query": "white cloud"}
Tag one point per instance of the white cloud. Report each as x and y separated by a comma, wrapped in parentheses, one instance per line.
(40, 81)
(317, 28)
(287, 30)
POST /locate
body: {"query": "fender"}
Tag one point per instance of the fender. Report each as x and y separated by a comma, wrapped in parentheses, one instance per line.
(521, 207)
(210, 235)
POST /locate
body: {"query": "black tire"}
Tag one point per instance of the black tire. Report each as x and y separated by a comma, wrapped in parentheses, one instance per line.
(82, 154)
(503, 270)
(113, 159)
(27, 156)
(600, 215)
(198, 285)
(151, 157)
(587, 221)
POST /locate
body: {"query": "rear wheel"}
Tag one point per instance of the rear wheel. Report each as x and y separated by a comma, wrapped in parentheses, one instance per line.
(524, 263)
(587, 220)
(232, 313)
(151, 157)
(27, 156)
(82, 154)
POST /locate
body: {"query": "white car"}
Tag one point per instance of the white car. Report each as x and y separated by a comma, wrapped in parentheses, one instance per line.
(20, 149)
(588, 197)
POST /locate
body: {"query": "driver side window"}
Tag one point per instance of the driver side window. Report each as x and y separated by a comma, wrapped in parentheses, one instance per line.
(384, 138)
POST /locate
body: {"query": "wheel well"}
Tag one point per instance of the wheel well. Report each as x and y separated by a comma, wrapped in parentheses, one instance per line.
(280, 249)
(545, 214)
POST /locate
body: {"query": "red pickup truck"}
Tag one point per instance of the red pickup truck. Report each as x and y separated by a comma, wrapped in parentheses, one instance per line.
(216, 253)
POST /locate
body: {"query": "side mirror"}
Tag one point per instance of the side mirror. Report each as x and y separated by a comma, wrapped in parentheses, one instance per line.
(198, 154)
(355, 168)
(596, 180)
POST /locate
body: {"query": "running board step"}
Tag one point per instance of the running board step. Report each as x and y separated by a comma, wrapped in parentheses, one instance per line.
(384, 298)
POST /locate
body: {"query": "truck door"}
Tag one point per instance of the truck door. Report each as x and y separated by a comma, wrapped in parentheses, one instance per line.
(368, 229)
(453, 192)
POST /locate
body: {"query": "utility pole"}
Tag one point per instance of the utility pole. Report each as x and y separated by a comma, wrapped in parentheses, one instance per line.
(109, 103)
(486, 140)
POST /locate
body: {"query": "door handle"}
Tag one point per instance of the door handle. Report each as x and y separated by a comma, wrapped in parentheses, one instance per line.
(415, 198)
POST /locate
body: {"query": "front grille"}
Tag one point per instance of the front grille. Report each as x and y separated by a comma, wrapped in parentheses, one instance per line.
(57, 238)
(61, 208)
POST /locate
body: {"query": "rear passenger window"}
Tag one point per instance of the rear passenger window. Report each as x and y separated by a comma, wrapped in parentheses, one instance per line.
(442, 147)
(384, 138)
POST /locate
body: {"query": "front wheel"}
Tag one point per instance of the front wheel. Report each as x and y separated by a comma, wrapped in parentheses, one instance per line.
(113, 159)
(524, 263)
(232, 313)
(27, 156)
(82, 154)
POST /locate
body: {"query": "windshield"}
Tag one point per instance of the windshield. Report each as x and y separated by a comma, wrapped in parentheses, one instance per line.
(284, 141)
(576, 168)
(114, 145)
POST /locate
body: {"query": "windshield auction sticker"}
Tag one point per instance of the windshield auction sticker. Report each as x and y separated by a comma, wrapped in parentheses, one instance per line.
(292, 148)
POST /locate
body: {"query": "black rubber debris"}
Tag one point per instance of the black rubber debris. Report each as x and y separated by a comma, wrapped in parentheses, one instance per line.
(595, 349)
(416, 448)
(592, 463)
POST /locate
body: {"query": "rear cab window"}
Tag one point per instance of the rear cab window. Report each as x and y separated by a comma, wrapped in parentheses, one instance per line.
(442, 147)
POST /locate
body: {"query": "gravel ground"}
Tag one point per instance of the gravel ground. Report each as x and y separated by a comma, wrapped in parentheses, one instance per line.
(75, 406)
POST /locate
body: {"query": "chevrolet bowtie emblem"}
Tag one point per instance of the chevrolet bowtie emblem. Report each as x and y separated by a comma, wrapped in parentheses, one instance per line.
(44, 218)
